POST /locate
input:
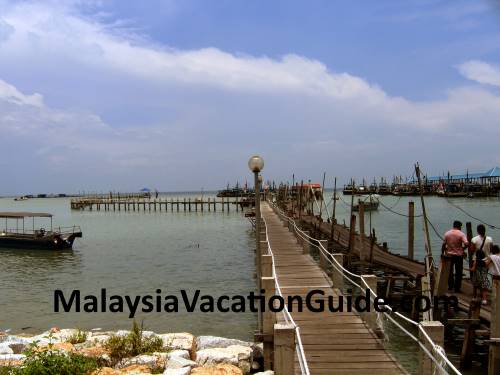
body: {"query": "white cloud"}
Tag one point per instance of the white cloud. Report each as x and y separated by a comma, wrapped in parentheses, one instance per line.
(10, 94)
(127, 106)
(481, 72)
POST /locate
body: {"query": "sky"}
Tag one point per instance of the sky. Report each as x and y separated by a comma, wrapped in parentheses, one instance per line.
(177, 94)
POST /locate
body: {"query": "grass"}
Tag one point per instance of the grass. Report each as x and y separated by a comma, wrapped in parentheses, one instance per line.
(78, 337)
(121, 347)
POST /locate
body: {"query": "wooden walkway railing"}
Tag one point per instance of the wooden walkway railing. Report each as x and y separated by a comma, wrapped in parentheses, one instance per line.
(333, 343)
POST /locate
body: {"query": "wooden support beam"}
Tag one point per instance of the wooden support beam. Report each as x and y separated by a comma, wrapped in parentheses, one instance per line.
(306, 246)
(435, 330)
(284, 349)
(494, 354)
(474, 315)
(411, 229)
(266, 265)
(369, 317)
(323, 258)
(337, 272)
(352, 233)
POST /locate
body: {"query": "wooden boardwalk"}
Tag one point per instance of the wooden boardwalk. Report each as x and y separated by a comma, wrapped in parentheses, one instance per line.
(380, 256)
(334, 343)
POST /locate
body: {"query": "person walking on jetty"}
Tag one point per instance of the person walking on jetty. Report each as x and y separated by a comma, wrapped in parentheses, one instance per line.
(482, 241)
(454, 244)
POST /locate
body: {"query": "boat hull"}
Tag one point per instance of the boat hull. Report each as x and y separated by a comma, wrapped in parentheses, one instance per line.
(49, 242)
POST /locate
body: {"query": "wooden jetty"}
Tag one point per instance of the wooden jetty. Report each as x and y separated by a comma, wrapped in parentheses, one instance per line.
(133, 203)
(333, 343)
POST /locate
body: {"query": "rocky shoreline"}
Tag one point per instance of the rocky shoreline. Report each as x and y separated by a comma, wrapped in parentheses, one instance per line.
(179, 354)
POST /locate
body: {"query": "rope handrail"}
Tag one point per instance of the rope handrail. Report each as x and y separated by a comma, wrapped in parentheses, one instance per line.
(288, 317)
(340, 268)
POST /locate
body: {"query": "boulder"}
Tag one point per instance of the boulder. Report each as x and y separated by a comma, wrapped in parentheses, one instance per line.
(268, 372)
(95, 352)
(224, 369)
(136, 370)
(179, 353)
(179, 362)
(106, 371)
(209, 342)
(151, 361)
(178, 371)
(237, 355)
(97, 339)
(11, 359)
(5, 348)
(178, 341)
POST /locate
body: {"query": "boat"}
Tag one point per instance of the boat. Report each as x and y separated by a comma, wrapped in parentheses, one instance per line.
(40, 238)
(349, 189)
(370, 203)
(384, 188)
(22, 198)
(235, 192)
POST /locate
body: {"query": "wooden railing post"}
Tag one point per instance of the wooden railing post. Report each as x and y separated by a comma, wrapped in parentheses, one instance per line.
(284, 349)
(411, 229)
(266, 265)
(370, 317)
(441, 286)
(494, 355)
(268, 320)
(435, 330)
(361, 206)
(337, 272)
(352, 233)
(323, 258)
(306, 246)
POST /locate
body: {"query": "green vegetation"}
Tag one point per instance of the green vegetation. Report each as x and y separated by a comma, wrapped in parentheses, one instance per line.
(120, 347)
(53, 362)
(78, 337)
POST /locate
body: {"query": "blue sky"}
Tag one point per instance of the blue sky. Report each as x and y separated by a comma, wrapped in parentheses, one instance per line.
(177, 95)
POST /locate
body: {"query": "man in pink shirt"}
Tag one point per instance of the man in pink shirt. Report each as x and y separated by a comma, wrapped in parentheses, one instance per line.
(454, 244)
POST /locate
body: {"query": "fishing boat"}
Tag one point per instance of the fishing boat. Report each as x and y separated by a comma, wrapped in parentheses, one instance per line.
(349, 189)
(22, 198)
(235, 192)
(19, 236)
(370, 203)
(384, 188)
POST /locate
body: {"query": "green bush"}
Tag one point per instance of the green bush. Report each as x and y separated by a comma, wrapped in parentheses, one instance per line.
(54, 362)
(120, 347)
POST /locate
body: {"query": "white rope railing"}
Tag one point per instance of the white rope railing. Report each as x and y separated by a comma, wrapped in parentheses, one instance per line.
(437, 349)
(299, 347)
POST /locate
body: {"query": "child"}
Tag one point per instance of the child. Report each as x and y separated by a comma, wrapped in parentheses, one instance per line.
(480, 276)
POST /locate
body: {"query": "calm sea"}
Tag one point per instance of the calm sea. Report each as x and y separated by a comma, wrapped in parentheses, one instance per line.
(135, 253)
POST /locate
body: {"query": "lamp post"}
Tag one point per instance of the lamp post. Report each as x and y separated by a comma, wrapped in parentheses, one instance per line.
(256, 164)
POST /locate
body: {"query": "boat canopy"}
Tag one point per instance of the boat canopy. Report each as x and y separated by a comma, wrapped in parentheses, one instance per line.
(20, 215)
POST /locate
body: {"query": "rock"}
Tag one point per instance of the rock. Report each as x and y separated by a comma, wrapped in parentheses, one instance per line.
(11, 359)
(5, 348)
(268, 372)
(98, 339)
(63, 335)
(255, 365)
(208, 342)
(177, 371)
(236, 355)
(95, 352)
(18, 348)
(179, 353)
(182, 341)
(136, 370)
(151, 361)
(63, 346)
(179, 362)
(106, 371)
(217, 370)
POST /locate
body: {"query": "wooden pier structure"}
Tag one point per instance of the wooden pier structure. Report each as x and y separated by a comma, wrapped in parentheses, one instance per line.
(188, 204)
(333, 343)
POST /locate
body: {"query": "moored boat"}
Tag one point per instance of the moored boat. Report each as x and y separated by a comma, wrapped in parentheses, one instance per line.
(20, 237)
